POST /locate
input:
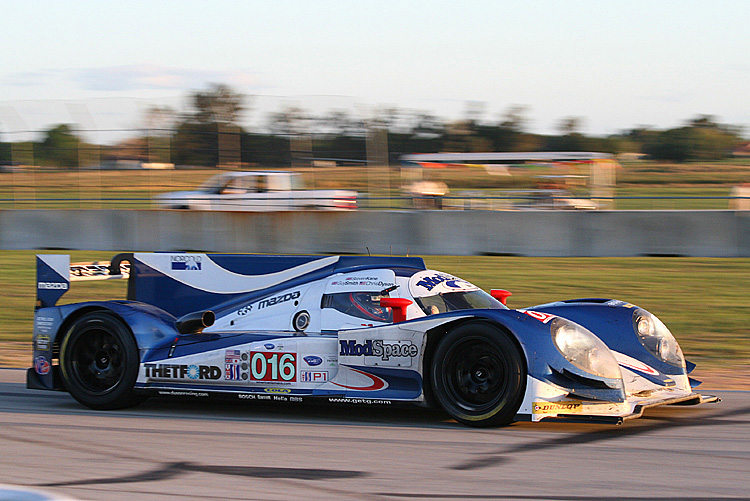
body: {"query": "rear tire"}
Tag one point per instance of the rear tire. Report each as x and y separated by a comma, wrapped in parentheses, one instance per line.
(478, 375)
(99, 362)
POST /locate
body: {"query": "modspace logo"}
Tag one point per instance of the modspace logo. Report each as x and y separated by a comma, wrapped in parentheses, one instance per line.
(377, 348)
(186, 262)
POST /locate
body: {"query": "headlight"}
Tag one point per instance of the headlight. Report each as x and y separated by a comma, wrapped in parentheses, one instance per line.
(656, 338)
(583, 349)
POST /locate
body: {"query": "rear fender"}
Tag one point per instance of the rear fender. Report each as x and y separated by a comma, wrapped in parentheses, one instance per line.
(149, 325)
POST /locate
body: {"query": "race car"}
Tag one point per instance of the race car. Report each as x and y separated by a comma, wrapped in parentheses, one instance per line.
(347, 329)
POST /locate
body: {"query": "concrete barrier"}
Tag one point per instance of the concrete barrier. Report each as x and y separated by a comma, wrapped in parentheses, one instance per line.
(527, 233)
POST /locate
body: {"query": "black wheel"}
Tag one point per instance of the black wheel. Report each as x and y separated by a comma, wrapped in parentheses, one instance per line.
(479, 375)
(99, 361)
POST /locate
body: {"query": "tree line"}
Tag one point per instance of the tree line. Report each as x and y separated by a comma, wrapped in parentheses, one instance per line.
(209, 134)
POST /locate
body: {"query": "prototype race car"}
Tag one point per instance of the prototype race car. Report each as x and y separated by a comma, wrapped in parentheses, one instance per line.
(347, 329)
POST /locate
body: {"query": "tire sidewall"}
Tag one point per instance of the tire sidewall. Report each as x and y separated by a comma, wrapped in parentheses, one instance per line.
(121, 394)
(502, 411)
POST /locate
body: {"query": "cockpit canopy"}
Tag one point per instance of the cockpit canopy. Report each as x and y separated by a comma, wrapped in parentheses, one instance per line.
(353, 300)
(438, 292)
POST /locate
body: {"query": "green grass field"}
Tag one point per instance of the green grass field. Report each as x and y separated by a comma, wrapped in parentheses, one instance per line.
(704, 302)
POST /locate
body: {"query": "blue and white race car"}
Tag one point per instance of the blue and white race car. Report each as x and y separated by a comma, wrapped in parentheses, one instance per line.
(347, 329)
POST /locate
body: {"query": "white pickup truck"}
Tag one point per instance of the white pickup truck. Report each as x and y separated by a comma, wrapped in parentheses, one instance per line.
(257, 191)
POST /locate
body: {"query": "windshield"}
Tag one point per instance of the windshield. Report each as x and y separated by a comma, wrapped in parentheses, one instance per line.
(437, 292)
(451, 301)
(214, 184)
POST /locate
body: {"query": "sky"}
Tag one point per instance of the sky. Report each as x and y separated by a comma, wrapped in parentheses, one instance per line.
(615, 64)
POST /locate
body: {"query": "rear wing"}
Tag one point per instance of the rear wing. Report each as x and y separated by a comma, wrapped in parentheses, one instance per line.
(98, 270)
(54, 272)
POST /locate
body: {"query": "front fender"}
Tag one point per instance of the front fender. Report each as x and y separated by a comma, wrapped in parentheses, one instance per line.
(532, 333)
(612, 322)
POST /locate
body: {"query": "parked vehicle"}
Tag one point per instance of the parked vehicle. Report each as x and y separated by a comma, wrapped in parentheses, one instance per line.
(257, 191)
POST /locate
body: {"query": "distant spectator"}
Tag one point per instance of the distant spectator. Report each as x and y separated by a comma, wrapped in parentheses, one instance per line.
(742, 190)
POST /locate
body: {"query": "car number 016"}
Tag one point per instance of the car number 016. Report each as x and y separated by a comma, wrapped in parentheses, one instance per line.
(273, 366)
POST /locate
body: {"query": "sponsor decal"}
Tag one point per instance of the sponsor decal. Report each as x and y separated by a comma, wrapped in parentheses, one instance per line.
(277, 366)
(43, 324)
(42, 366)
(542, 317)
(369, 401)
(42, 343)
(234, 373)
(52, 285)
(269, 346)
(313, 376)
(563, 406)
(179, 393)
(377, 348)
(639, 366)
(283, 298)
(313, 360)
(235, 365)
(366, 281)
(277, 390)
(283, 398)
(430, 282)
(375, 385)
(175, 371)
(245, 310)
(186, 262)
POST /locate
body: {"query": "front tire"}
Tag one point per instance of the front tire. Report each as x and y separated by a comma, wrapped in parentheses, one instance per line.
(99, 362)
(478, 375)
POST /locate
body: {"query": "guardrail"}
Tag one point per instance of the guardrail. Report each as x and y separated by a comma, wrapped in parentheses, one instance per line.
(702, 233)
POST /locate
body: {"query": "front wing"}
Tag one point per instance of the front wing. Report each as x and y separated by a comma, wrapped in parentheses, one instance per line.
(545, 402)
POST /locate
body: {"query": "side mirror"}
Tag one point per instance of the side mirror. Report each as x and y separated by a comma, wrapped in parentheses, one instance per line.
(501, 295)
(398, 304)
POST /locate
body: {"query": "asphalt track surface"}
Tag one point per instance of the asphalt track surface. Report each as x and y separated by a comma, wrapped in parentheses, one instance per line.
(195, 449)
